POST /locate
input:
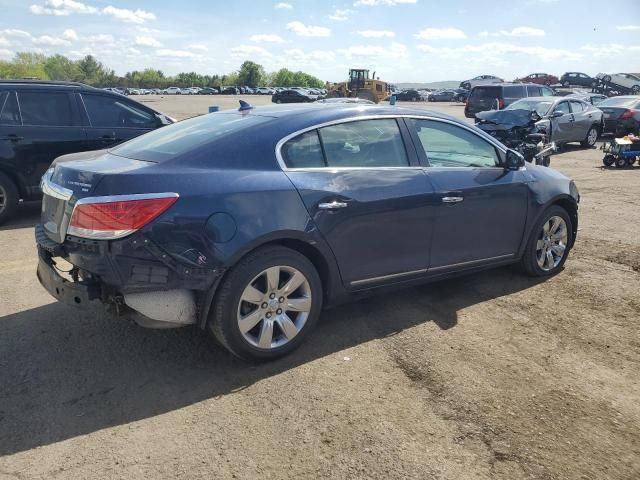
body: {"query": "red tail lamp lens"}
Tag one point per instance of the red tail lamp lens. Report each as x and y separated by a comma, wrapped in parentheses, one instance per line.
(627, 114)
(116, 219)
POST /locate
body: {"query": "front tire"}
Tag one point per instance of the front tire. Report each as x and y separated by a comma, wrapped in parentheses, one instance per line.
(548, 245)
(267, 304)
(9, 197)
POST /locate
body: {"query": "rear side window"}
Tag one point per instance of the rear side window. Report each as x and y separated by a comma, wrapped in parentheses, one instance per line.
(52, 109)
(365, 143)
(533, 91)
(546, 92)
(106, 111)
(576, 107)
(514, 91)
(303, 151)
(9, 112)
(486, 93)
(179, 138)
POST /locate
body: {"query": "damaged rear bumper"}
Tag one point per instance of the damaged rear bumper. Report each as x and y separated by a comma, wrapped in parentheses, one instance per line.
(136, 280)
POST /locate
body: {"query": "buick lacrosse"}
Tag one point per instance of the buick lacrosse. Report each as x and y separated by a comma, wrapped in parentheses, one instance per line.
(247, 223)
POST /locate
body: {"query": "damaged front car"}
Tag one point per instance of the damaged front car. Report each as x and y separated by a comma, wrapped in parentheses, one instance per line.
(523, 130)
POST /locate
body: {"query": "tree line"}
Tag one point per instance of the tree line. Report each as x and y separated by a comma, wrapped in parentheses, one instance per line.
(90, 71)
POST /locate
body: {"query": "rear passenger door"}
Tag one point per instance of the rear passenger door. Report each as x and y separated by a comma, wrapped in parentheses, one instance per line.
(367, 195)
(582, 121)
(562, 126)
(114, 119)
(49, 127)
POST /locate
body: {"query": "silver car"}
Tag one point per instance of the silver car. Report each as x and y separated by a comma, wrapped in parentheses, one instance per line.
(480, 80)
(568, 119)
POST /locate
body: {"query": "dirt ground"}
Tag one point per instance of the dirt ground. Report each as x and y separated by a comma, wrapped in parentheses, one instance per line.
(490, 376)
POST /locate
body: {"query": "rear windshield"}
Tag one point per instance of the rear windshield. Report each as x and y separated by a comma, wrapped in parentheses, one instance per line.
(486, 93)
(174, 140)
(619, 102)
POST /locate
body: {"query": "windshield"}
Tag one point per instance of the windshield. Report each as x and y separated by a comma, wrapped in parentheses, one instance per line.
(174, 140)
(619, 102)
(540, 106)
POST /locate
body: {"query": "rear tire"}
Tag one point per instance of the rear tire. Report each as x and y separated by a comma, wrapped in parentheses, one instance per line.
(591, 138)
(621, 162)
(246, 293)
(608, 160)
(635, 89)
(9, 197)
(558, 243)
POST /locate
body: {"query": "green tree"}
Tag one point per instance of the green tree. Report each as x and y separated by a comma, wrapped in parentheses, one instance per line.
(251, 74)
(59, 67)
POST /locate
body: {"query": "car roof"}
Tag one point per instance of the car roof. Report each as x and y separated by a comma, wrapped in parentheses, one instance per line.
(48, 83)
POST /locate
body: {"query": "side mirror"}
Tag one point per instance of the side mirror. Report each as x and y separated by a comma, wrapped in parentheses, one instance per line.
(514, 160)
(557, 114)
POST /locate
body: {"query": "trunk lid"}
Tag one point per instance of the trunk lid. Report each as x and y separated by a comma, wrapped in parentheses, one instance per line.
(76, 176)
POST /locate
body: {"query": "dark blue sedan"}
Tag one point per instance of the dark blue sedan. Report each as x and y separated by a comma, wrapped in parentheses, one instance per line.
(246, 223)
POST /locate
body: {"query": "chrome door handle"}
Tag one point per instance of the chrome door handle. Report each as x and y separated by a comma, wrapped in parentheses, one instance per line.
(332, 205)
(452, 199)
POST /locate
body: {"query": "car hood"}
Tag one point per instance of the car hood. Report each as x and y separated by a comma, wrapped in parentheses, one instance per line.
(504, 119)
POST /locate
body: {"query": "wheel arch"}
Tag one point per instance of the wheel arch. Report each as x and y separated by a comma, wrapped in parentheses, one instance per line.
(17, 181)
(571, 207)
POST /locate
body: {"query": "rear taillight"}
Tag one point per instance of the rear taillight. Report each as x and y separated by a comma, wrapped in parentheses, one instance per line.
(107, 218)
(626, 114)
(500, 103)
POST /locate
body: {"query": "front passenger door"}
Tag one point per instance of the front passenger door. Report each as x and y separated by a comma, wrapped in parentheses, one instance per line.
(482, 208)
(113, 120)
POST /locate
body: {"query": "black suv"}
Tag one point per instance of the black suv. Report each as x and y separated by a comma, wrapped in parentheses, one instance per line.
(496, 97)
(40, 121)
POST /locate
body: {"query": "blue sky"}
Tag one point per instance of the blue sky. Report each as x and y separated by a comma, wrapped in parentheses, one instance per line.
(403, 40)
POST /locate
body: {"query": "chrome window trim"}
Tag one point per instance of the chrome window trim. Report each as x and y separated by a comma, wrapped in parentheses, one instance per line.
(285, 139)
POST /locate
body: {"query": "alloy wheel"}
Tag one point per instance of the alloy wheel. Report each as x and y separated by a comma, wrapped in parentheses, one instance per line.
(592, 137)
(552, 243)
(274, 307)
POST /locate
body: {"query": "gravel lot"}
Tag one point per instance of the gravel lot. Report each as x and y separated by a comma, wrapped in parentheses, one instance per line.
(491, 376)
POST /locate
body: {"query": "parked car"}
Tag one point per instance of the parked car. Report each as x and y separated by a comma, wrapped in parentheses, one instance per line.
(625, 82)
(497, 97)
(461, 94)
(480, 80)
(229, 91)
(539, 79)
(577, 79)
(208, 91)
(592, 98)
(621, 115)
(265, 91)
(442, 96)
(40, 121)
(173, 91)
(409, 95)
(133, 91)
(248, 223)
(563, 119)
(293, 96)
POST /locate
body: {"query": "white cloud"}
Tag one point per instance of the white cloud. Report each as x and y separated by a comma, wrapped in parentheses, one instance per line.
(299, 56)
(363, 52)
(266, 38)
(495, 53)
(62, 8)
(341, 15)
(440, 34)
(609, 50)
(167, 52)
(303, 30)
(130, 16)
(376, 33)
(4, 42)
(198, 46)
(516, 32)
(390, 3)
(70, 34)
(147, 41)
(11, 32)
(628, 27)
(50, 41)
(4, 53)
(101, 38)
(243, 51)
(283, 5)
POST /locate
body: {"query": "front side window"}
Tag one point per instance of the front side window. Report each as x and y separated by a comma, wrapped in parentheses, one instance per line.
(52, 109)
(9, 112)
(448, 145)
(533, 91)
(365, 143)
(577, 107)
(562, 107)
(109, 112)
